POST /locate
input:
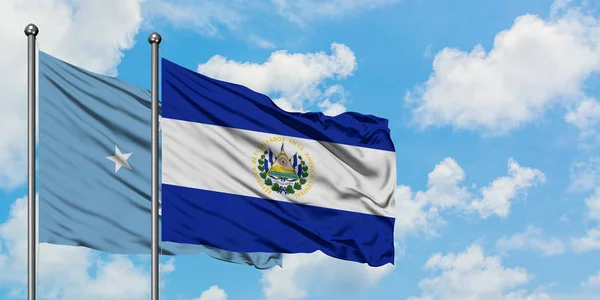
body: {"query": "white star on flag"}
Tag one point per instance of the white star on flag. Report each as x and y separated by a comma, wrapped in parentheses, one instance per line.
(120, 159)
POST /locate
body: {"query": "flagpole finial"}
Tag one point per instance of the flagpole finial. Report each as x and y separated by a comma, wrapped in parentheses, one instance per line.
(31, 29)
(154, 38)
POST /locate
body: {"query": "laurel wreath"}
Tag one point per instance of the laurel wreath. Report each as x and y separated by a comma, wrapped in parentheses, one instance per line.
(290, 189)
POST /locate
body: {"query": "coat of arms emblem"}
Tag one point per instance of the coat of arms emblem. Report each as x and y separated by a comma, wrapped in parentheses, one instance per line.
(283, 173)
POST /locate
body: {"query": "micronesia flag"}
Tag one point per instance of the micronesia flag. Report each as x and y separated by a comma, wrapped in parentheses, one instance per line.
(229, 181)
(94, 166)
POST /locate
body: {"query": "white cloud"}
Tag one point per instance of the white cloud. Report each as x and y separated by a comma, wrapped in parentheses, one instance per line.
(415, 214)
(590, 290)
(589, 242)
(532, 239)
(168, 266)
(317, 272)
(585, 175)
(203, 17)
(261, 42)
(68, 272)
(586, 116)
(524, 295)
(559, 6)
(498, 195)
(301, 12)
(420, 211)
(472, 275)
(427, 53)
(592, 204)
(213, 293)
(287, 105)
(70, 30)
(212, 17)
(593, 282)
(533, 66)
(290, 78)
(335, 97)
(331, 109)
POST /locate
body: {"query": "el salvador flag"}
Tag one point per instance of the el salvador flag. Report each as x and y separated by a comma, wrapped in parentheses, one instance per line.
(229, 176)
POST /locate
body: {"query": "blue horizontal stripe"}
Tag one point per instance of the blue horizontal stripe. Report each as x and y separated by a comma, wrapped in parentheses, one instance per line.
(240, 223)
(190, 96)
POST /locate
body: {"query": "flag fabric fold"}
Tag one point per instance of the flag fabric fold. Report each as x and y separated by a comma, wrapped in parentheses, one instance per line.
(94, 166)
(268, 180)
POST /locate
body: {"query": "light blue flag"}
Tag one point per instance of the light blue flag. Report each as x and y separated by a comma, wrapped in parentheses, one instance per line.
(94, 166)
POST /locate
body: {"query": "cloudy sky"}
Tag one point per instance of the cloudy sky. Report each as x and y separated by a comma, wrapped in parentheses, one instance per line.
(493, 108)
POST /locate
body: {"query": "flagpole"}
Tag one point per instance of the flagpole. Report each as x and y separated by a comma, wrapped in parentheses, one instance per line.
(154, 40)
(31, 32)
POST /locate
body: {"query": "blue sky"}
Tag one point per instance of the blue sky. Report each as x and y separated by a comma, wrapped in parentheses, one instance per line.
(493, 108)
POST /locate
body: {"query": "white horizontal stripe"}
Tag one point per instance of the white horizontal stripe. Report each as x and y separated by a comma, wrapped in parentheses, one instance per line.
(224, 160)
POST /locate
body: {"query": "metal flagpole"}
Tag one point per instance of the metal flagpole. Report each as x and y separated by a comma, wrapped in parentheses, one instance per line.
(154, 40)
(31, 32)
